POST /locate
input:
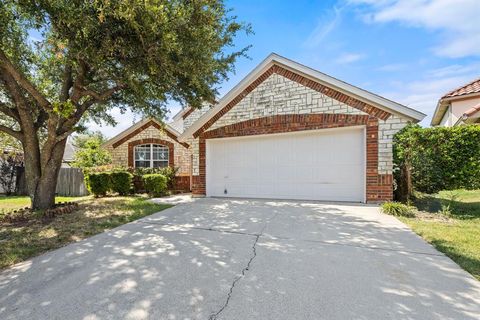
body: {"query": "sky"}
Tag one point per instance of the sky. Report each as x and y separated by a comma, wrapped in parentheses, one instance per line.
(410, 51)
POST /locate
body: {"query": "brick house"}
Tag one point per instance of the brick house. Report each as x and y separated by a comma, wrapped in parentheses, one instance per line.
(285, 131)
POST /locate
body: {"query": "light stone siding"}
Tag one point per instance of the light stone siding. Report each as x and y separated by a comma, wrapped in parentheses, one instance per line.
(386, 131)
(182, 155)
(278, 95)
(195, 115)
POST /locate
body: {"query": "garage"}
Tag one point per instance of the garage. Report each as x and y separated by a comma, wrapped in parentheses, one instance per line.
(326, 164)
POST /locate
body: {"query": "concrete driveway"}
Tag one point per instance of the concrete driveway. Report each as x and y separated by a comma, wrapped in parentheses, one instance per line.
(245, 259)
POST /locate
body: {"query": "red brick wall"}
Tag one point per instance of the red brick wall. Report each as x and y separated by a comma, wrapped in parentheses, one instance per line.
(182, 183)
(378, 188)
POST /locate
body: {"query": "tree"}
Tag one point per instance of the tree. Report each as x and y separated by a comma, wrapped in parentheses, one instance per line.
(89, 152)
(96, 55)
(9, 162)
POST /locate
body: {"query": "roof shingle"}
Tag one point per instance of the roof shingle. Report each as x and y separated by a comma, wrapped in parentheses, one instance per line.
(471, 87)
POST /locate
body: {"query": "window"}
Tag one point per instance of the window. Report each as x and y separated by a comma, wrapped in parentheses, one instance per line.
(151, 156)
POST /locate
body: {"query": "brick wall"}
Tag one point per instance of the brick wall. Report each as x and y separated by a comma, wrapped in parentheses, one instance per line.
(378, 186)
(120, 151)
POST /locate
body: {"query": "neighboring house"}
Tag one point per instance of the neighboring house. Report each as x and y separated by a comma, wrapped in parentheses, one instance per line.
(459, 106)
(68, 154)
(285, 132)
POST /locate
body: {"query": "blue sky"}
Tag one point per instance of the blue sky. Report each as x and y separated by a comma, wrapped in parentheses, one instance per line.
(411, 51)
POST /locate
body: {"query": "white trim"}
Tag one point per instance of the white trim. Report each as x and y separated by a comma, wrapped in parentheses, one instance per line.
(151, 160)
(138, 125)
(360, 94)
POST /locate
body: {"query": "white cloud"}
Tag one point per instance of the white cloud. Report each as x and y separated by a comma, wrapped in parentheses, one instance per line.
(424, 94)
(324, 27)
(349, 57)
(457, 20)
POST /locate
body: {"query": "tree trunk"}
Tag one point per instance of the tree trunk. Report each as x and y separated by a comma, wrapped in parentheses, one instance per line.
(41, 176)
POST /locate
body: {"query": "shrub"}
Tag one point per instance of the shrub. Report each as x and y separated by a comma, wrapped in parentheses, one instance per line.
(438, 158)
(168, 172)
(155, 184)
(398, 209)
(121, 182)
(98, 183)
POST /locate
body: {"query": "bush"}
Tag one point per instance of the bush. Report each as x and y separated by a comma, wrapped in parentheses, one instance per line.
(98, 183)
(168, 172)
(121, 182)
(155, 184)
(398, 209)
(438, 158)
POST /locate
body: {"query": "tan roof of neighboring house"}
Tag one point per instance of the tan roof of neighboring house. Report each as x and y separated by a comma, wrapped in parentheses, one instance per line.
(470, 112)
(469, 88)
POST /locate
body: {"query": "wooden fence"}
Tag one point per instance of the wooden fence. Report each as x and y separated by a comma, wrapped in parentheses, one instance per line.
(70, 182)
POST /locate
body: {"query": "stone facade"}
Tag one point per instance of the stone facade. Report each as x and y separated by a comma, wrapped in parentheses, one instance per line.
(278, 95)
(182, 155)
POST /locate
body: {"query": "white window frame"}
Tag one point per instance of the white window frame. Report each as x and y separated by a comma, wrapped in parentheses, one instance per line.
(151, 160)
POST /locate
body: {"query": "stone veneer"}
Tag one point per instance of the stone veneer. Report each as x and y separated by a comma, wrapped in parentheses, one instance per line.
(182, 155)
(278, 95)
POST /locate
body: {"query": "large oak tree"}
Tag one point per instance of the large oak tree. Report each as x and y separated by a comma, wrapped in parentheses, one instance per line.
(94, 55)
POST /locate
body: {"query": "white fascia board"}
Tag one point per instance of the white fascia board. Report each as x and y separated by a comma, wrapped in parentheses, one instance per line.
(138, 125)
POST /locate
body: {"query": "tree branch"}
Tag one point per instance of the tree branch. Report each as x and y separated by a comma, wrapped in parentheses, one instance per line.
(67, 83)
(23, 81)
(12, 113)
(16, 134)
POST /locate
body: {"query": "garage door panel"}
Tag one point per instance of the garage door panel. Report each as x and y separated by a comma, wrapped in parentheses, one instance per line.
(317, 165)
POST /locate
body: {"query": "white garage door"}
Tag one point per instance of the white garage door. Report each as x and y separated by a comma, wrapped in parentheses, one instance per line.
(326, 164)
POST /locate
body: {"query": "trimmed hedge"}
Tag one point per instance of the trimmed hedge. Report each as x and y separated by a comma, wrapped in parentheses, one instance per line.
(155, 184)
(438, 158)
(121, 182)
(98, 183)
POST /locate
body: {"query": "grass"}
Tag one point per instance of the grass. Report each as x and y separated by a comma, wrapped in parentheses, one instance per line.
(450, 221)
(11, 203)
(19, 242)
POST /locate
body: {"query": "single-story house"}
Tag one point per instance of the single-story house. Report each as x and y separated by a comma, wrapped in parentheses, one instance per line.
(459, 106)
(285, 131)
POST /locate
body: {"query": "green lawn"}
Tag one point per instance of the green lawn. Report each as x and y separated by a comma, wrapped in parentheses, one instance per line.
(450, 220)
(19, 242)
(16, 202)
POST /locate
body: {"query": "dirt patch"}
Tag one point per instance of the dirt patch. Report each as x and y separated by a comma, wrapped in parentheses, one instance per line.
(438, 217)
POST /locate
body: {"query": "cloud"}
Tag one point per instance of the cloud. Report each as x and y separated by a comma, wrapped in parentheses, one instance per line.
(423, 94)
(456, 20)
(350, 57)
(324, 27)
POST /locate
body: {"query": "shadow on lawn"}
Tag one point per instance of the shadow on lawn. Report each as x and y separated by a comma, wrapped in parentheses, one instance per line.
(23, 240)
(469, 263)
(458, 209)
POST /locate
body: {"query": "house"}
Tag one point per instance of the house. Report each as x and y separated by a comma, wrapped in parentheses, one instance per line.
(285, 131)
(459, 106)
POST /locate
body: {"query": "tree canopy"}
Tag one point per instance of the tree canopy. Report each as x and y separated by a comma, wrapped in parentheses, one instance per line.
(91, 56)
(89, 152)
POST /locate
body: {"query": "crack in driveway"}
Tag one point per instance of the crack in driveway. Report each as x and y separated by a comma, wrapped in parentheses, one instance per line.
(215, 315)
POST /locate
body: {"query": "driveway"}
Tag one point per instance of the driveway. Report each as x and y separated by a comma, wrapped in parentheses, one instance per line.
(245, 259)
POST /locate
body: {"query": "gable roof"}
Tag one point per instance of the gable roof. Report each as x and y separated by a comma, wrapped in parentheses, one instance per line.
(471, 89)
(337, 89)
(139, 127)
